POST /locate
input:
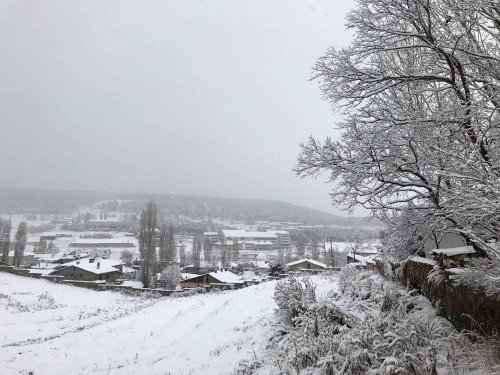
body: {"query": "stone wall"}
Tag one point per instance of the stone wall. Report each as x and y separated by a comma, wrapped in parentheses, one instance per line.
(465, 306)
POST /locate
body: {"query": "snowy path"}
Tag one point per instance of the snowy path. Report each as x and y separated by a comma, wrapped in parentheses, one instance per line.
(107, 333)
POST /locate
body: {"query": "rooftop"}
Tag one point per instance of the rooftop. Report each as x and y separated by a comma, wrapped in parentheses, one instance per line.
(90, 265)
(226, 277)
(312, 261)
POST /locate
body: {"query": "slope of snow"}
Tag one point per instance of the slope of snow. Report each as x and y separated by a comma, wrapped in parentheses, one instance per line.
(58, 329)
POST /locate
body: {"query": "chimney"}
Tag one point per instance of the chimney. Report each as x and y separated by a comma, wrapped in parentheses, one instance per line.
(98, 265)
(77, 262)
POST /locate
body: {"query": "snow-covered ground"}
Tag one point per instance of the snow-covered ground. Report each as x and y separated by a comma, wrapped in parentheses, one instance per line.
(58, 329)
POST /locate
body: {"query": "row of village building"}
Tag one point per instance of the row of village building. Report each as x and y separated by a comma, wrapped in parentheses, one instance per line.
(249, 240)
(112, 271)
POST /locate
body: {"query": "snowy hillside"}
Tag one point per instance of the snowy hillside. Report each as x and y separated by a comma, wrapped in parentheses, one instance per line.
(56, 329)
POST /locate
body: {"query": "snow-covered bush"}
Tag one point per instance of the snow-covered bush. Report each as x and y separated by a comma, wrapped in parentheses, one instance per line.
(45, 302)
(373, 326)
(293, 295)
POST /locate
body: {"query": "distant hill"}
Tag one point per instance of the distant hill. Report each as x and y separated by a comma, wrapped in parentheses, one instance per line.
(19, 201)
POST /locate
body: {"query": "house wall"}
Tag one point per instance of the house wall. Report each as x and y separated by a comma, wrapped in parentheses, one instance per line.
(194, 282)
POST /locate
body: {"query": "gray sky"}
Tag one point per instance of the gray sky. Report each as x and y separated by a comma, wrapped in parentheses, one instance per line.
(188, 97)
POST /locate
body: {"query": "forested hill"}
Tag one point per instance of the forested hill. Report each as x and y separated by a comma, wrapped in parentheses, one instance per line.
(16, 201)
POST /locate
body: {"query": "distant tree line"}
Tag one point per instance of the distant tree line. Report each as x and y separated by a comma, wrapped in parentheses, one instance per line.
(173, 206)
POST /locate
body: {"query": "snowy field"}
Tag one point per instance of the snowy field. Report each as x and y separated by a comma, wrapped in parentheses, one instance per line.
(58, 329)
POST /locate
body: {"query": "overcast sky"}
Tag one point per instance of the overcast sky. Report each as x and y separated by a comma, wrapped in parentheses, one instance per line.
(188, 97)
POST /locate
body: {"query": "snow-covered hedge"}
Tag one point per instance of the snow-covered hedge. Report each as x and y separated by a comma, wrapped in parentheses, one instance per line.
(371, 326)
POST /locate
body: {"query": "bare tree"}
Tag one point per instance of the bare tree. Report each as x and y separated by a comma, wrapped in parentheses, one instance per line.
(171, 275)
(419, 87)
(147, 244)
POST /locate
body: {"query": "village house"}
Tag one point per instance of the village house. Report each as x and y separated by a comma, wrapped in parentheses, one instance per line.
(90, 269)
(221, 278)
(306, 265)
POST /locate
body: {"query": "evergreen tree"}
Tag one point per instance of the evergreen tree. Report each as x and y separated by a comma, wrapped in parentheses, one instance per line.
(20, 245)
(182, 254)
(147, 243)
(5, 227)
(314, 247)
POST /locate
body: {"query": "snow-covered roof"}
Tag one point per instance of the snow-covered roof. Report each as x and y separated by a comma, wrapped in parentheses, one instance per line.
(48, 234)
(226, 277)
(257, 242)
(454, 251)
(278, 231)
(81, 241)
(185, 276)
(210, 233)
(312, 261)
(105, 265)
(245, 234)
(109, 262)
(41, 271)
(363, 259)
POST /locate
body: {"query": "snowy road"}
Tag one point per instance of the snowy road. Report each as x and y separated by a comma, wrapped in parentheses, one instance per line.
(72, 330)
